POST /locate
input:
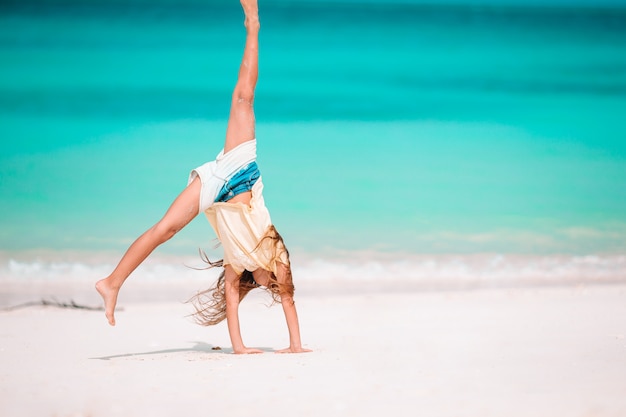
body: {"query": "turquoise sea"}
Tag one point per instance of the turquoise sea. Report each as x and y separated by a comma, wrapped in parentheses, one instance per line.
(428, 140)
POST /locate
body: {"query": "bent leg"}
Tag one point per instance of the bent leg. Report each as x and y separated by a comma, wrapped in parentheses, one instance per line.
(241, 121)
(181, 212)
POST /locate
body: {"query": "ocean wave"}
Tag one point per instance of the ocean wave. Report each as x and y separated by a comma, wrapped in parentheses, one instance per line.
(418, 271)
(474, 269)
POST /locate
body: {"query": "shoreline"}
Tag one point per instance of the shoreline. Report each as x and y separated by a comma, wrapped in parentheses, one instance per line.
(142, 290)
(72, 274)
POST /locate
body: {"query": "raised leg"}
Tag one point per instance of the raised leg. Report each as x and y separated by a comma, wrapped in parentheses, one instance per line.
(180, 213)
(241, 121)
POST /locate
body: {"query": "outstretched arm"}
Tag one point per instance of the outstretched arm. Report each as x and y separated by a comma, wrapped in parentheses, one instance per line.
(241, 121)
(231, 292)
(291, 316)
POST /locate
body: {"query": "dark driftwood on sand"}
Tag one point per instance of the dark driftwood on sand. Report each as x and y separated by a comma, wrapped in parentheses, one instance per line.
(53, 303)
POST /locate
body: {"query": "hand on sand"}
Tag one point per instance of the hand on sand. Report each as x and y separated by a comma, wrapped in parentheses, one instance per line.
(293, 350)
(246, 351)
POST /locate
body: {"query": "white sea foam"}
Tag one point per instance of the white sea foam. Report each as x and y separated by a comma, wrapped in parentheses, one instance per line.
(476, 269)
(425, 270)
(91, 268)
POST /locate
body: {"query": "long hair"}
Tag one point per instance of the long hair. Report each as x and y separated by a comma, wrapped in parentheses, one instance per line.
(210, 304)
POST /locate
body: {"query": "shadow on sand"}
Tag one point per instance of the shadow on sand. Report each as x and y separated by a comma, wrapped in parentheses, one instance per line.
(197, 347)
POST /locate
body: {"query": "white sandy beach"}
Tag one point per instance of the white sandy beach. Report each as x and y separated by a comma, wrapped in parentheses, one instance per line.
(508, 352)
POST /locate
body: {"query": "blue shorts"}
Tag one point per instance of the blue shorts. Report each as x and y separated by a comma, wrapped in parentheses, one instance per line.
(240, 182)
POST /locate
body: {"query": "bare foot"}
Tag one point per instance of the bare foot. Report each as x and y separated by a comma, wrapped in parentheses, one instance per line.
(251, 10)
(109, 295)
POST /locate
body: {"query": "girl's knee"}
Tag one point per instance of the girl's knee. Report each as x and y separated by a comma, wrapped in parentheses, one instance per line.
(243, 95)
(164, 231)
